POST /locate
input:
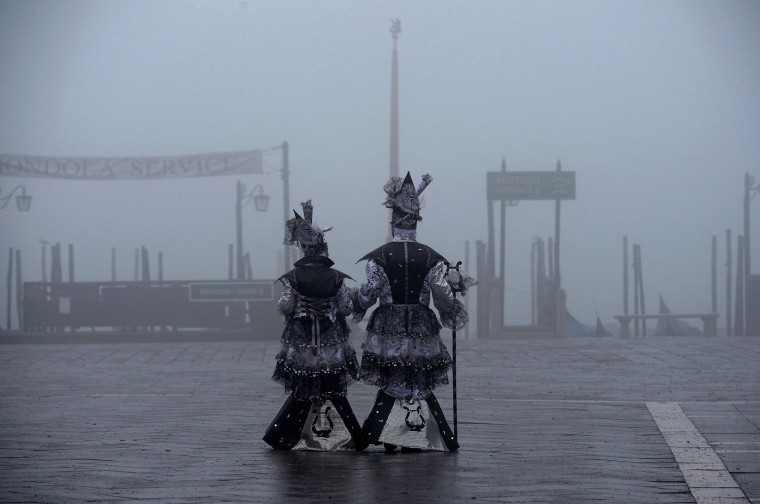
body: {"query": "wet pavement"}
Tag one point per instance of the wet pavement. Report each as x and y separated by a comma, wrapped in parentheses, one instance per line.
(671, 420)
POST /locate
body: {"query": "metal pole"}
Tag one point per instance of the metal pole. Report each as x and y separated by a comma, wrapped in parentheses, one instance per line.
(454, 375)
(467, 299)
(502, 247)
(394, 143)
(748, 182)
(393, 167)
(454, 355)
(286, 197)
(558, 280)
(625, 275)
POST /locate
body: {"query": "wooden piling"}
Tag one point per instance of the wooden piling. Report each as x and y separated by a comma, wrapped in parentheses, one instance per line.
(160, 266)
(9, 290)
(482, 291)
(44, 262)
(739, 304)
(729, 331)
(56, 270)
(636, 323)
(230, 262)
(533, 283)
(137, 265)
(714, 274)
(490, 275)
(550, 256)
(145, 265)
(71, 263)
(19, 292)
(641, 294)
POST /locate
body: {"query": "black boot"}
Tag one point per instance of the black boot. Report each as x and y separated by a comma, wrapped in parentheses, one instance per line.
(375, 421)
(285, 430)
(349, 420)
(447, 433)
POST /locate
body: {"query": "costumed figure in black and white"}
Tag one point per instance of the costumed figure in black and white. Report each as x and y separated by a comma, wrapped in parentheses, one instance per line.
(403, 352)
(316, 363)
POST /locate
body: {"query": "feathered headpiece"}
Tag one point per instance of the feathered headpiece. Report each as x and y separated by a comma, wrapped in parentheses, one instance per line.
(301, 232)
(404, 199)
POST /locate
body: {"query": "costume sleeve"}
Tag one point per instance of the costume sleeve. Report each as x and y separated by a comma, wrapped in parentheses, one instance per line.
(286, 305)
(443, 296)
(368, 292)
(343, 302)
(452, 311)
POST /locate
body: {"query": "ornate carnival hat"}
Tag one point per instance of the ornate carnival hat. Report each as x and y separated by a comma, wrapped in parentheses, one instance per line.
(404, 200)
(302, 232)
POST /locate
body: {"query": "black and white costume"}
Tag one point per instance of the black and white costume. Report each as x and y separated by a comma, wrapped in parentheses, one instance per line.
(403, 352)
(316, 363)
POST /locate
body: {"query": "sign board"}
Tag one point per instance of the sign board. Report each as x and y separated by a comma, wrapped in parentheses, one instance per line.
(537, 185)
(231, 291)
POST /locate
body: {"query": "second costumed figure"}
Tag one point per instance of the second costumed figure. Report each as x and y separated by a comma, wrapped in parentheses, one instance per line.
(316, 363)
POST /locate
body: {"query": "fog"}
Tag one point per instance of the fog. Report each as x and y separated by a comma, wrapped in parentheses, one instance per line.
(654, 105)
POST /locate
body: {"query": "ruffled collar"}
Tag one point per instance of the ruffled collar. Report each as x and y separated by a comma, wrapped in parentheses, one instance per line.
(313, 260)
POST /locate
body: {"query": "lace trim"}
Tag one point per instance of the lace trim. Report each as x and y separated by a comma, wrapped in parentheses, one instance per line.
(315, 388)
(457, 317)
(406, 382)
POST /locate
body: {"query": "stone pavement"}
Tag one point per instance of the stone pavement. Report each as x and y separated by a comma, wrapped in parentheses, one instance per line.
(671, 420)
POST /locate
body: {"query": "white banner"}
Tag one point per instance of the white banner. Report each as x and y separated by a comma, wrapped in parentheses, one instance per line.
(133, 168)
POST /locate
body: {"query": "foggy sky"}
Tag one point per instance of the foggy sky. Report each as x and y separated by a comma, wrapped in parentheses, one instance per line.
(654, 105)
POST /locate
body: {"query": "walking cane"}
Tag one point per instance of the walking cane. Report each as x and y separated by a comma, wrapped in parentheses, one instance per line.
(454, 351)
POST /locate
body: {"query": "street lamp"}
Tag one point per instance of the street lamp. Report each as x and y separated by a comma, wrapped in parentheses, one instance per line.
(260, 202)
(260, 199)
(23, 200)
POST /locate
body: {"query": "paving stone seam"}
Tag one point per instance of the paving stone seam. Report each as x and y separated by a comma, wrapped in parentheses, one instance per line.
(708, 479)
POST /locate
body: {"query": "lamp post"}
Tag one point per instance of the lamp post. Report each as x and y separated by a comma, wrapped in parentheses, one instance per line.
(23, 200)
(260, 202)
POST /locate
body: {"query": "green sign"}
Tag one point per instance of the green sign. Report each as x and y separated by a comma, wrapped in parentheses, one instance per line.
(539, 185)
(231, 291)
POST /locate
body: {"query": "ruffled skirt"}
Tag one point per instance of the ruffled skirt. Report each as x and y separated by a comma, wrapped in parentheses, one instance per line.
(316, 370)
(403, 352)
